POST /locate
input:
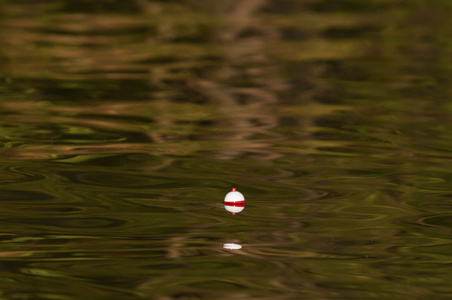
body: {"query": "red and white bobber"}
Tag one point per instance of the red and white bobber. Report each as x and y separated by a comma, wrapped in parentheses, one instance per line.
(234, 201)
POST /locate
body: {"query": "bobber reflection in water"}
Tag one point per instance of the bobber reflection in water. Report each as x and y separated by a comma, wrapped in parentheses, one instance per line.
(232, 246)
(234, 201)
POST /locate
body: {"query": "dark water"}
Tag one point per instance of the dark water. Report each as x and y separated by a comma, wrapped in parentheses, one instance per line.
(124, 124)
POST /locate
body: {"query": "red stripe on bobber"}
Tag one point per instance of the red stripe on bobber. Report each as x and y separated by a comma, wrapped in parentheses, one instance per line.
(235, 204)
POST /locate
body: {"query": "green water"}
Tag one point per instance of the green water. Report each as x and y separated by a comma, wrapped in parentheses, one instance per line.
(123, 124)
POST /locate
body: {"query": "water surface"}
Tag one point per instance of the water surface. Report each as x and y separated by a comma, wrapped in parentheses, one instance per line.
(123, 126)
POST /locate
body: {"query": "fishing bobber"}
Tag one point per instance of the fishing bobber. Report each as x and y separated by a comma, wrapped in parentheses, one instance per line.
(234, 201)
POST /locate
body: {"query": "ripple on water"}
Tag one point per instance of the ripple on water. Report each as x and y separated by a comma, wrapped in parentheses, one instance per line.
(24, 196)
(20, 175)
(115, 179)
(67, 224)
